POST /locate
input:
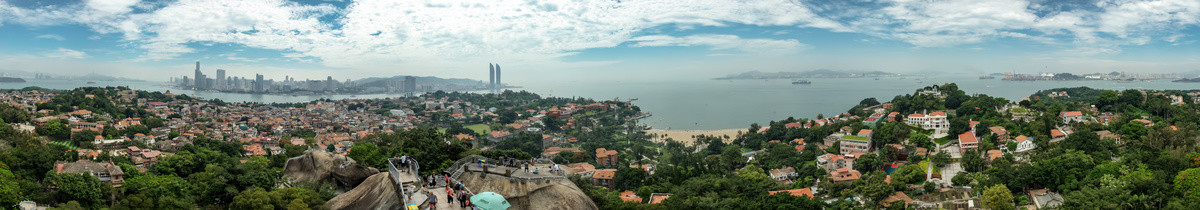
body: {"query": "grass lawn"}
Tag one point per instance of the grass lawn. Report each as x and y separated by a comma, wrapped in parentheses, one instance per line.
(1018, 110)
(941, 141)
(860, 138)
(482, 129)
(925, 164)
(63, 143)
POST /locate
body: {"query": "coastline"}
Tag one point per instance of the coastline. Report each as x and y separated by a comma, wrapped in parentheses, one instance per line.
(686, 136)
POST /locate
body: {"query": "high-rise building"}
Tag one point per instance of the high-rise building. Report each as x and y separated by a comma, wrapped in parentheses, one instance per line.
(199, 84)
(258, 83)
(410, 84)
(330, 83)
(491, 76)
(498, 81)
(220, 84)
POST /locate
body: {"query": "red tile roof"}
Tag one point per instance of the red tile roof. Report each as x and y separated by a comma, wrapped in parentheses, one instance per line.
(968, 137)
(630, 197)
(1071, 114)
(792, 125)
(1022, 138)
(1055, 133)
(604, 174)
(864, 132)
(794, 192)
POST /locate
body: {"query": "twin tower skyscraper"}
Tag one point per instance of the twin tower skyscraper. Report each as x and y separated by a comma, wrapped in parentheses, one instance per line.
(494, 76)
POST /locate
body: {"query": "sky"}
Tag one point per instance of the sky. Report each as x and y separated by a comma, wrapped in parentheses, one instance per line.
(537, 40)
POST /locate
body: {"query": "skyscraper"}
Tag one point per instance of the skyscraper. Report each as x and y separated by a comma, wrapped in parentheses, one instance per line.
(410, 84)
(258, 83)
(498, 82)
(329, 83)
(221, 81)
(491, 77)
(199, 83)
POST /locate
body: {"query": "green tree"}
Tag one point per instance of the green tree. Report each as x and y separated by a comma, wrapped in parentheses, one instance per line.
(998, 197)
(1131, 97)
(874, 189)
(940, 159)
(367, 154)
(80, 187)
(12, 114)
(909, 174)
(960, 179)
(84, 137)
(868, 162)
(1188, 182)
(166, 185)
(253, 198)
(972, 161)
(136, 129)
(629, 178)
(10, 193)
(153, 122)
(732, 158)
(56, 128)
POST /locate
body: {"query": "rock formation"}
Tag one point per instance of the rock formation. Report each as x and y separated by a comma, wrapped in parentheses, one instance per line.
(554, 194)
(323, 166)
(376, 192)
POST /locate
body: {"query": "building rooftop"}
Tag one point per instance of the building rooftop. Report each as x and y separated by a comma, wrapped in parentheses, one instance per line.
(604, 174)
(794, 192)
(967, 138)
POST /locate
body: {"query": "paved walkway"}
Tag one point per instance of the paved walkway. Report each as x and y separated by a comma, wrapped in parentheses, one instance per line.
(543, 171)
(440, 192)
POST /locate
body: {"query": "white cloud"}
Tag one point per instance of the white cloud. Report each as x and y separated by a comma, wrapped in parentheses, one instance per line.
(64, 53)
(945, 23)
(112, 6)
(387, 35)
(51, 36)
(373, 31)
(723, 42)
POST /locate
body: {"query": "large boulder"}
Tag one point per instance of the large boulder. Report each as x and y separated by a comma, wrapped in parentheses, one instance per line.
(554, 194)
(376, 192)
(323, 166)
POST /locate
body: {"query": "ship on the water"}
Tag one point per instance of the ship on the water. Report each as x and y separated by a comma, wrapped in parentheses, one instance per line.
(987, 77)
(801, 82)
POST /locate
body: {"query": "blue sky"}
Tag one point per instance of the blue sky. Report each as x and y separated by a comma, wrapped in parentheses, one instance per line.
(553, 39)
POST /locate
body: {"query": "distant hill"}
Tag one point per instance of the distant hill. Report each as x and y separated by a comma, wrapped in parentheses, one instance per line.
(819, 73)
(383, 81)
(11, 80)
(1192, 80)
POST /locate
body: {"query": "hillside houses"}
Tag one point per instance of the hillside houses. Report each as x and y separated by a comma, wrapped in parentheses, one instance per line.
(936, 121)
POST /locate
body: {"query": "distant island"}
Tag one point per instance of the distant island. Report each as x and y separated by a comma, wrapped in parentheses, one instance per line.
(1192, 80)
(11, 80)
(820, 73)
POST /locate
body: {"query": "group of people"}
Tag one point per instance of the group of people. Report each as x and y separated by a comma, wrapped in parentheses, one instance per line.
(453, 191)
(405, 163)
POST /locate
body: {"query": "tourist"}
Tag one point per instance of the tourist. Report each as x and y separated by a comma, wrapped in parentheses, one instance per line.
(432, 200)
(462, 197)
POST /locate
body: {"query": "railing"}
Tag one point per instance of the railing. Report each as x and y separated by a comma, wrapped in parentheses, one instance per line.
(460, 167)
(413, 167)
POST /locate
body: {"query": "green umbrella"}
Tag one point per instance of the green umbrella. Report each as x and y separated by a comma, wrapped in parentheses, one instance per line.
(489, 201)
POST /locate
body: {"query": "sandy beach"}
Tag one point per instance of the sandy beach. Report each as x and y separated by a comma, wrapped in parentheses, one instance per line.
(685, 136)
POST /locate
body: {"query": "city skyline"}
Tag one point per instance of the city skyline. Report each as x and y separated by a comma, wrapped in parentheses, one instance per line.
(601, 40)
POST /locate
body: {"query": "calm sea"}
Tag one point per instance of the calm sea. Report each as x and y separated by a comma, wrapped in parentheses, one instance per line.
(709, 104)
